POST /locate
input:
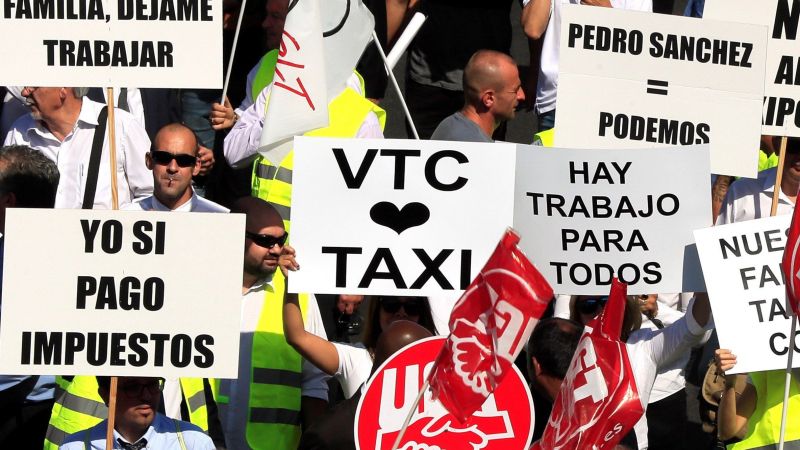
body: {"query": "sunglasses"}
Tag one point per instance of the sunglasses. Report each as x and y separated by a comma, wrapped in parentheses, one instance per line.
(133, 390)
(165, 158)
(393, 305)
(590, 305)
(267, 241)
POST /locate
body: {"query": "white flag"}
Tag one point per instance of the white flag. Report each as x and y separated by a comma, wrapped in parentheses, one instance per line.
(298, 101)
(347, 29)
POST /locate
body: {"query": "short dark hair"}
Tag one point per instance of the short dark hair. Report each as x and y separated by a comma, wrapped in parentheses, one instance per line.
(30, 175)
(552, 343)
(104, 383)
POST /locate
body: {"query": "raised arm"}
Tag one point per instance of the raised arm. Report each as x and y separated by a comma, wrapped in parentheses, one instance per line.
(313, 348)
(535, 17)
(738, 400)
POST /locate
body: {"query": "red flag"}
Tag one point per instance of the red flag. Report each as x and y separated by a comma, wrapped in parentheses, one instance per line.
(598, 403)
(791, 264)
(489, 326)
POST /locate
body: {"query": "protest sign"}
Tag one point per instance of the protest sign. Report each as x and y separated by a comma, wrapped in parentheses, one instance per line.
(396, 217)
(630, 80)
(781, 108)
(593, 215)
(505, 421)
(133, 43)
(742, 269)
(118, 293)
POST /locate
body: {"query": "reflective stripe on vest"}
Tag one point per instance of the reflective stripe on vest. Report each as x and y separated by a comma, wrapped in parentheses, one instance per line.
(195, 397)
(346, 114)
(276, 377)
(264, 74)
(77, 408)
(765, 423)
(544, 138)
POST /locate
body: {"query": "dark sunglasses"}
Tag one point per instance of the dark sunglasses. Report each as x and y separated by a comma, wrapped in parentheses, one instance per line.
(165, 158)
(590, 305)
(133, 390)
(392, 305)
(267, 241)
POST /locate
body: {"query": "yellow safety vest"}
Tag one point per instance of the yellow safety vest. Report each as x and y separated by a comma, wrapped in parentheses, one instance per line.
(264, 74)
(346, 114)
(544, 138)
(276, 374)
(78, 406)
(764, 425)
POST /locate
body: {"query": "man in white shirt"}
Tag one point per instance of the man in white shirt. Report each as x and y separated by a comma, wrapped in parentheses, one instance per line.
(276, 390)
(541, 20)
(62, 124)
(174, 161)
(751, 198)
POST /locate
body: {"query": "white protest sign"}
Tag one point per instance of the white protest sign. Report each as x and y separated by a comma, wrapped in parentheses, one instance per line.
(781, 109)
(586, 216)
(132, 43)
(121, 293)
(400, 217)
(630, 79)
(742, 269)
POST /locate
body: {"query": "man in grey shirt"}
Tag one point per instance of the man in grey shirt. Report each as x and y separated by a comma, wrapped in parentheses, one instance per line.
(492, 90)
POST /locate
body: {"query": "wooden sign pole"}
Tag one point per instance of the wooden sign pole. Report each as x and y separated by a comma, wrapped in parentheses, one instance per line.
(112, 158)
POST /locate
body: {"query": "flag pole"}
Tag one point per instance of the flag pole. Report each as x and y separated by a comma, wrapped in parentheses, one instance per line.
(233, 53)
(394, 83)
(411, 412)
(788, 384)
(112, 147)
(779, 176)
(773, 211)
(112, 407)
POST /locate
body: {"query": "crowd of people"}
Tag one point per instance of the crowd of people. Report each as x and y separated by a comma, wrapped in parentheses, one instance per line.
(305, 359)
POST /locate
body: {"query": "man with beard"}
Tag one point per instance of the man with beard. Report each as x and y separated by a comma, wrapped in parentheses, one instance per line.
(174, 161)
(276, 391)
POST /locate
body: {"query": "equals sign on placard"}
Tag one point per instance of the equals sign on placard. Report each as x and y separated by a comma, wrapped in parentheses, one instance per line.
(657, 87)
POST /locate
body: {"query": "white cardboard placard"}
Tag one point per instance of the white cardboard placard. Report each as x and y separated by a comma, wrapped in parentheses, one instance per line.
(741, 266)
(442, 207)
(133, 299)
(625, 82)
(640, 230)
(781, 108)
(130, 43)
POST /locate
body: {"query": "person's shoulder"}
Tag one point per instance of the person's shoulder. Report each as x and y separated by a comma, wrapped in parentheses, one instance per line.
(745, 186)
(20, 127)
(205, 205)
(194, 437)
(77, 440)
(140, 205)
(445, 130)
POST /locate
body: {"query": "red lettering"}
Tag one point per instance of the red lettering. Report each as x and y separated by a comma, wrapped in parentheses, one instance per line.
(302, 92)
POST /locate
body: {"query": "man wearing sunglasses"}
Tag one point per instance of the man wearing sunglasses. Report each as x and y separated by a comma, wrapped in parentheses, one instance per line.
(174, 161)
(138, 424)
(62, 125)
(277, 390)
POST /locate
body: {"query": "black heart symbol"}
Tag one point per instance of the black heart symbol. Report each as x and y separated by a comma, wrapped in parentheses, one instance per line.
(412, 215)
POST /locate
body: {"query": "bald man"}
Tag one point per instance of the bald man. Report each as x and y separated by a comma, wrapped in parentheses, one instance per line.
(492, 90)
(174, 160)
(276, 390)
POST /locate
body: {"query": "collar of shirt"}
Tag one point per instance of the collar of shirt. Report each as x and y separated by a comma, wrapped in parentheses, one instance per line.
(88, 116)
(260, 284)
(149, 434)
(185, 207)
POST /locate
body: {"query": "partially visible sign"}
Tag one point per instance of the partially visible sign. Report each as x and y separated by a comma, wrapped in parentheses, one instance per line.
(781, 109)
(630, 80)
(131, 43)
(504, 422)
(118, 293)
(593, 215)
(742, 269)
(397, 217)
